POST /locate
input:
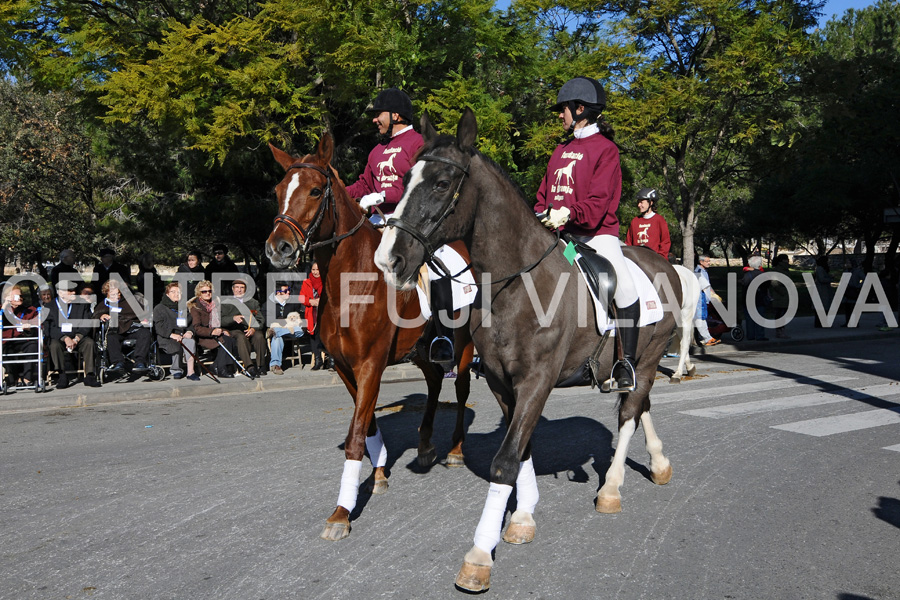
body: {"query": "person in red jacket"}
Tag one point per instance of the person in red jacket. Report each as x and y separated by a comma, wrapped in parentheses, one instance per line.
(310, 292)
(650, 228)
(584, 185)
(381, 183)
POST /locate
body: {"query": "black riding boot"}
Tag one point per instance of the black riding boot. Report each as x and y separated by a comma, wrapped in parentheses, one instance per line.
(318, 362)
(441, 349)
(623, 376)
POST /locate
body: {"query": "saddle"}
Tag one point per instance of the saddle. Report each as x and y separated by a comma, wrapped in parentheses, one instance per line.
(598, 272)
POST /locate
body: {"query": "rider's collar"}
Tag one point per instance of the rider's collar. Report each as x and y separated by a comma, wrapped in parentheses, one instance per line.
(586, 131)
(402, 131)
(648, 215)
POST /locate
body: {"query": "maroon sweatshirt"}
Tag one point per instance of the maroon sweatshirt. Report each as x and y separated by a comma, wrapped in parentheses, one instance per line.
(652, 232)
(385, 169)
(584, 175)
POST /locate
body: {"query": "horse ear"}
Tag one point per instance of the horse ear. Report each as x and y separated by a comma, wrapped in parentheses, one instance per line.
(325, 150)
(283, 158)
(428, 130)
(467, 130)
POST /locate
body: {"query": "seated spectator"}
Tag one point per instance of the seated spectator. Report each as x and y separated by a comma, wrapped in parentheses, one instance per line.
(65, 269)
(126, 321)
(107, 266)
(219, 265)
(191, 271)
(149, 283)
(246, 327)
(173, 328)
(20, 322)
(278, 310)
(87, 294)
(760, 299)
(206, 320)
(47, 295)
(67, 329)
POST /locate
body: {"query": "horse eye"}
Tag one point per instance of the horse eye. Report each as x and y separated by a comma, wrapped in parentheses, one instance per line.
(315, 192)
(442, 186)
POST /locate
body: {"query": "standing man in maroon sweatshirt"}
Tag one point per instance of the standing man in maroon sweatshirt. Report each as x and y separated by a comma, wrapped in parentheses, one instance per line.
(650, 228)
(584, 185)
(381, 183)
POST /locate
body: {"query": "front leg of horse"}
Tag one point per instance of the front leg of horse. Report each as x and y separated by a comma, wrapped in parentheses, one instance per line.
(455, 457)
(337, 526)
(660, 467)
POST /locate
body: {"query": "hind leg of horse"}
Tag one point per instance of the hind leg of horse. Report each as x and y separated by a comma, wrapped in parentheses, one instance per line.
(434, 380)
(463, 385)
(609, 499)
(660, 467)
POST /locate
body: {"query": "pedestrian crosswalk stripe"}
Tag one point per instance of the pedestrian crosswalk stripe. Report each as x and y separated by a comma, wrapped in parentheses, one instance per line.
(894, 448)
(843, 423)
(744, 388)
(801, 401)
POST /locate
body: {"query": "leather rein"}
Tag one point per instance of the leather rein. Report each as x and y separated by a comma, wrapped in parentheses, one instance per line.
(436, 263)
(303, 236)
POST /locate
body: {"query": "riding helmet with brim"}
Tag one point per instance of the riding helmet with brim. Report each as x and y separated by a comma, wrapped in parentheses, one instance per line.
(583, 90)
(393, 100)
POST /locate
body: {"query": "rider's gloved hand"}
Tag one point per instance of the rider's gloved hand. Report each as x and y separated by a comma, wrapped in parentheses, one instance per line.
(370, 200)
(556, 218)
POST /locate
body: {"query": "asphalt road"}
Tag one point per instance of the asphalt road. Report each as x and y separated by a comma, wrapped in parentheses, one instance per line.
(786, 485)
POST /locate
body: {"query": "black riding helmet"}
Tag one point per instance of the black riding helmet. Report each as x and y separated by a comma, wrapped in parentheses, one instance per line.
(648, 194)
(393, 100)
(585, 91)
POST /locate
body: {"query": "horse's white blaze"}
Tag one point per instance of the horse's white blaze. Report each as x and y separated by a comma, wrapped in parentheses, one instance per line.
(386, 247)
(291, 188)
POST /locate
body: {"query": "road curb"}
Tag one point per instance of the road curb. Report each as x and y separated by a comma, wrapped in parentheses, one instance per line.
(779, 343)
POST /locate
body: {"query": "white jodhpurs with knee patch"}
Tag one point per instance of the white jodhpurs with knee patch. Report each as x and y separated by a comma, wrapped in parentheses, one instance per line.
(350, 484)
(377, 451)
(526, 487)
(487, 534)
(610, 248)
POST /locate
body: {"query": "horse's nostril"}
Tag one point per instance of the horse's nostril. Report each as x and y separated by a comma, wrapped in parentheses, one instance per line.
(285, 248)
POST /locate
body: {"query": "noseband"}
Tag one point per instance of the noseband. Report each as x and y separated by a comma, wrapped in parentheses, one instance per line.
(423, 237)
(302, 236)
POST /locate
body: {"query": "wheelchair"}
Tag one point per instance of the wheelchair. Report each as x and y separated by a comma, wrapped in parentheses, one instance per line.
(107, 372)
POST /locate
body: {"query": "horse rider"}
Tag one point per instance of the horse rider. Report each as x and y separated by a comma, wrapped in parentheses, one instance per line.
(583, 184)
(381, 184)
(649, 228)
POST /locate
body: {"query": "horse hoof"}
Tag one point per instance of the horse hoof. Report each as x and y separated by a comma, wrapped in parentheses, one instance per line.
(674, 379)
(519, 533)
(474, 578)
(663, 477)
(380, 486)
(335, 531)
(427, 458)
(455, 460)
(692, 371)
(608, 506)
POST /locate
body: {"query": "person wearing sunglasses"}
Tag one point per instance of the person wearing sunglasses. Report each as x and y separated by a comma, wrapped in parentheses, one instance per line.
(206, 319)
(282, 309)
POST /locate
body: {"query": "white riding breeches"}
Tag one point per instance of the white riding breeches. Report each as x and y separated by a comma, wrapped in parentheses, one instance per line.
(610, 248)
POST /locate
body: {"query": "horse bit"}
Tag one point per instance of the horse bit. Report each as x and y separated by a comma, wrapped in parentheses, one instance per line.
(301, 236)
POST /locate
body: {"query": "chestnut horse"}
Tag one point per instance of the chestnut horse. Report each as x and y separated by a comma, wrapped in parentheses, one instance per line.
(454, 192)
(364, 324)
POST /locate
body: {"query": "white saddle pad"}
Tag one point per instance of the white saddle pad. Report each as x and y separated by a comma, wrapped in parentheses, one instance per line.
(651, 305)
(463, 285)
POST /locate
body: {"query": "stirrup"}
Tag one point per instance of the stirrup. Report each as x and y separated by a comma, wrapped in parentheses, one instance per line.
(443, 354)
(614, 385)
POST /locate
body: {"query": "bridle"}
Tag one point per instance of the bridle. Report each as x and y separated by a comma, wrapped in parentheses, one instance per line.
(303, 236)
(423, 238)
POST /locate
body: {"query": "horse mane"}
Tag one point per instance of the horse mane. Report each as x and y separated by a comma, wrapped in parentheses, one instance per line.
(444, 141)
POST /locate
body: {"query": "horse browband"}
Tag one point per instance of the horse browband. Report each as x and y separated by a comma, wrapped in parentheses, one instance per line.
(303, 237)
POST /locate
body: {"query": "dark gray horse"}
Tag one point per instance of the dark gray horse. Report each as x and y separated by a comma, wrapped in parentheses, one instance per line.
(530, 329)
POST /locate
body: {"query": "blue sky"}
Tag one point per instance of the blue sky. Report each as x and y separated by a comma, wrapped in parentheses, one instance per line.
(836, 8)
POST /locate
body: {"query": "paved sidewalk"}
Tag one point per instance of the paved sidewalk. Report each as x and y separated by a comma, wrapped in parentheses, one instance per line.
(294, 378)
(800, 330)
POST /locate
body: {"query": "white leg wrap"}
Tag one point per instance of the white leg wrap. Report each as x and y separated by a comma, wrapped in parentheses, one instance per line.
(487, 534)
(526, 487)
(377, 451)
(350, 484)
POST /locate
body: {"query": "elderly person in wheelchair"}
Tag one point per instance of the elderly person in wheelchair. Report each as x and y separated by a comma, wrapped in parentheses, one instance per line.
(122, 317)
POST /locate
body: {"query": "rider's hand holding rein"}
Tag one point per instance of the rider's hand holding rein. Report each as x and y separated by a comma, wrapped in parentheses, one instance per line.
(556, 218)
(370, 200)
